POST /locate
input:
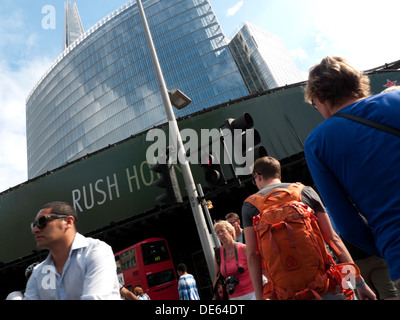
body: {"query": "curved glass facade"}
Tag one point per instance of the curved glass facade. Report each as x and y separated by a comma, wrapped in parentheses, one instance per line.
(103, 89)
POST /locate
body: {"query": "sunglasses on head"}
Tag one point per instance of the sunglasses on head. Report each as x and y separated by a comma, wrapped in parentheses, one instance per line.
(42, 221)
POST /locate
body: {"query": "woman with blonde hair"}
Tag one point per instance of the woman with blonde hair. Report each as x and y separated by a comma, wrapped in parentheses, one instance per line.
(233, 263)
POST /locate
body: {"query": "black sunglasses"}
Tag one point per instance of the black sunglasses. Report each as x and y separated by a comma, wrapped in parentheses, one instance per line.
(42, 221)
(254, 178)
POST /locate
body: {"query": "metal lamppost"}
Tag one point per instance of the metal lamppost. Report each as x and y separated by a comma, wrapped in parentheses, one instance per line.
(184, 164)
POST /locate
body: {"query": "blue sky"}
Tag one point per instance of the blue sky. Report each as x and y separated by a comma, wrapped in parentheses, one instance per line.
(363, 31)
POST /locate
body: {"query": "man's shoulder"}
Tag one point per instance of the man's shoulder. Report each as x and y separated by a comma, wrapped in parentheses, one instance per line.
(92, 248)
(269, 188)
(39, 267)
(81, 241)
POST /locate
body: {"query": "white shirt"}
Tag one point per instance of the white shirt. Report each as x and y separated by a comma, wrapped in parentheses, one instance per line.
(89, 274)
(15, 295)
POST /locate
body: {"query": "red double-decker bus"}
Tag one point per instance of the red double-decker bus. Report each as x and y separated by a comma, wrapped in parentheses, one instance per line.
(148, 264)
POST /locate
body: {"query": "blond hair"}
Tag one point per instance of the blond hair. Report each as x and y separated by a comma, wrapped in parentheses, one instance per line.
(226, 225)
(334, 80)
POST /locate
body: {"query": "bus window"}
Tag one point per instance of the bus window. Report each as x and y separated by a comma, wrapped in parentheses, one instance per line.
(162, 277)
(154, 252)
(118, 263)
(128, 259)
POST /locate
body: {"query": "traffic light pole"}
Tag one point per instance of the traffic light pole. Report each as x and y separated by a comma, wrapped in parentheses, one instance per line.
(207, 214)
(184, 164)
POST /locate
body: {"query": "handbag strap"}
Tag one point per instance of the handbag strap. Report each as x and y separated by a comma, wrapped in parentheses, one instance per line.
(236, 256)
(218, 255)
(370, 123)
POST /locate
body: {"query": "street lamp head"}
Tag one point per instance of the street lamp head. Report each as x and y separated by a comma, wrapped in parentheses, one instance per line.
(178, 99)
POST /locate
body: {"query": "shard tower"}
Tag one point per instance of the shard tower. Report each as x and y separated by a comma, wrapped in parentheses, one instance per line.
(73, 28)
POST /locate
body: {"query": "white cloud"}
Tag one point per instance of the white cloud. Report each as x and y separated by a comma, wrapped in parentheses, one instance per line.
(20, 70)
(15, 85)
(299, 54)
(232, 11)
(360, 31)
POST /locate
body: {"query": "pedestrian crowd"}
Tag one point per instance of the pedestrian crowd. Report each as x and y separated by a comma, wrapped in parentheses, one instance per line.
(336, 240)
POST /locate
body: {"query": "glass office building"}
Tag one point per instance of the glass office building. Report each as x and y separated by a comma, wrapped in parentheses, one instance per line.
(263, 59)
(103, 88)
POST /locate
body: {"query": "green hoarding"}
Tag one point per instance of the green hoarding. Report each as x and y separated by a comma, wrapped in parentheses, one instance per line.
(116, 184)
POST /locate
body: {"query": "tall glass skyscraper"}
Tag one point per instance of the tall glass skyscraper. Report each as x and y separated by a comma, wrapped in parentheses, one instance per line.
(73, 28)
(263, 59)
(103, 88)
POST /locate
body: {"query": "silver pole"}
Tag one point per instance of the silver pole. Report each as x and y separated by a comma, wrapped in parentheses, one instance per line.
(184, 164)
(217, 243)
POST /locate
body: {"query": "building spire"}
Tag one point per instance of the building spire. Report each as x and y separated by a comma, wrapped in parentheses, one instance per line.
(73, 28)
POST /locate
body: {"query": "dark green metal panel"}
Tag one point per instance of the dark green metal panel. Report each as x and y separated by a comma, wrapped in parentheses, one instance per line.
(115, 183)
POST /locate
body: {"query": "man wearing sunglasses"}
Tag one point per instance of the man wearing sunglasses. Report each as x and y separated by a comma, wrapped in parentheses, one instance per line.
(77, 268)
(233, 219)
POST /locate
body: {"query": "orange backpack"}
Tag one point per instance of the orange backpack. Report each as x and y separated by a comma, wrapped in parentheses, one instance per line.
(292, 248)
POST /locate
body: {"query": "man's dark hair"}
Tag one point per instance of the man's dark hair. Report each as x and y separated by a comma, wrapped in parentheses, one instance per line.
(181, 267)
(231, 215)
(268, 167)
(63, 208)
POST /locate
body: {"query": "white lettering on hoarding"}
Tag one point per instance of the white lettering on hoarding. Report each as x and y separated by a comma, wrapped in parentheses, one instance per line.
(109, 188)
(97, 193)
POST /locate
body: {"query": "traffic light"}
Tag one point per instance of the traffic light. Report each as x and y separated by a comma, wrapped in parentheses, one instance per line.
(168, 181)
(213, 171)
(242, 130)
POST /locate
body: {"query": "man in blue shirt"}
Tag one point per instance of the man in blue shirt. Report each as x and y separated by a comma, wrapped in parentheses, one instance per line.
(356, 167)
(187, 284)
(77, 268)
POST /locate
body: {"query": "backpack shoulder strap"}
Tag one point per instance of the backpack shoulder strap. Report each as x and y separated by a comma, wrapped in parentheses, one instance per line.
(296, 189)
(258, 200)
(255, 199)
(370, 123)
